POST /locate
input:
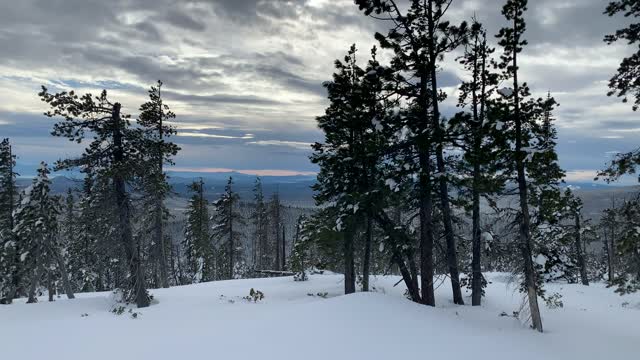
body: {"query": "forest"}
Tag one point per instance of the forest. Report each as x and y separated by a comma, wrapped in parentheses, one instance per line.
(402, 190)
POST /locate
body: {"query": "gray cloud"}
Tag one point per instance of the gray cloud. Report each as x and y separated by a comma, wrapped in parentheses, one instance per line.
(241, 67)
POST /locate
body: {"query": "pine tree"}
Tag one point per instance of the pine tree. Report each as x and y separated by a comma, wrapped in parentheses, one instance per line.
(580, 226)
(37, 227)
(299, 253)
(510, 39)
(115, 153)
(227, 221)
(609, 225)
(420, 39)
(260, 244)
(628, 247)
(275, 219)
(197, 245)
(481, 142)
(10, 269)
(154, 120)
(350, 154)
(627, 80)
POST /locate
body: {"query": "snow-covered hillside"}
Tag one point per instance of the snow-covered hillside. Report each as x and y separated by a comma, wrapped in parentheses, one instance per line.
(296, 320)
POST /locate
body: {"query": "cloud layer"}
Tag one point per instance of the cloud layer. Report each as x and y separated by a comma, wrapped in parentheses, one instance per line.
(244, 76)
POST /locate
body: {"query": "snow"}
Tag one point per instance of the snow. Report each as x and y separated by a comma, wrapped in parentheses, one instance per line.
(392, 184)
(506, 92)
(540, 260)
(296, 320)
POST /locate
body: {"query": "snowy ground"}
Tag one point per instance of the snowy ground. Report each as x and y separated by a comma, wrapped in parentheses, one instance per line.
(212, 321)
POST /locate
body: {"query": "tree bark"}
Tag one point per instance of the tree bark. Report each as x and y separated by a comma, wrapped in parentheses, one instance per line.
(349, 264)
(50, 288)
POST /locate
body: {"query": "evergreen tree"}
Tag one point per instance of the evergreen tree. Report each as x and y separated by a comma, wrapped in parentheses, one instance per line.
(419, 40)
(154, 120)
(609, 225)
(260, 244)
(275, 219)
(480, 140)
(628, 247)
(197, 245)
(10, 269)
(227, 221)
(37, 227)
(510, 39)
(115, 154)
(626, 82)
(299, 254)
(350, 154)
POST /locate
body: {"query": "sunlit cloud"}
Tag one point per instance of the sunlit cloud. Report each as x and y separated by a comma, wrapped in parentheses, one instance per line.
(257, 172)
(293, 144)
(214, 136)
(580, 175)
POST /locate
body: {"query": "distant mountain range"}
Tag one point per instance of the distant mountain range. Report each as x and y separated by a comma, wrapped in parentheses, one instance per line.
(292, 189)
(296, 190)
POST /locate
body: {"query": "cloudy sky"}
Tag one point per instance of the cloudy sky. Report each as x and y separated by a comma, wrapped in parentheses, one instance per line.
(244, 76)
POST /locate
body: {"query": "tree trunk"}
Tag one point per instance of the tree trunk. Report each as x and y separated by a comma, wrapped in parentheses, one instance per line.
(478, 119)
(476, 281)
(231, 244)
(525, 222)
(50, 289)
(284, 247)
(15, 273)
(397, 237)
(349, 265)
(66, 284)
(35, 279)
(452, 252)
(579, 254)
(426, 232)
(162, 249)
(137, 286)
(159, 223)
(366, 264)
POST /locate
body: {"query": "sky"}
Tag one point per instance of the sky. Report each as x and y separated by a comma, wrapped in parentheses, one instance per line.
(244, 76)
